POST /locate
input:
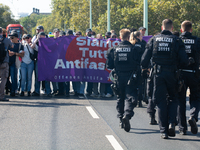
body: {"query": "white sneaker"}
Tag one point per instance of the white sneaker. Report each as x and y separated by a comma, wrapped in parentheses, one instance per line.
(42, 92)
(108, 95)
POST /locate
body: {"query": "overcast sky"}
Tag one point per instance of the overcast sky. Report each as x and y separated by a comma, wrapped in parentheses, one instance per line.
(26, 6)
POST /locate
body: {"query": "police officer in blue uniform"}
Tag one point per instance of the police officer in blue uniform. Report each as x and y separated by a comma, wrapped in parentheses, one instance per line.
(167, 52)
(151, 105)
(136, 40)
(124, 60)
(143, 82)
(190, 76)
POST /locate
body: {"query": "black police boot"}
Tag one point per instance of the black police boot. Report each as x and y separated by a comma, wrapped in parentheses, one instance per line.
(164, 136)
(126, 123)
(171, 130)
(153, 121)
(121, 125)
(193, 124)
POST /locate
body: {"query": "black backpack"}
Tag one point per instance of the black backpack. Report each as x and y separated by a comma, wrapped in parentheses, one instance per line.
(2, 51)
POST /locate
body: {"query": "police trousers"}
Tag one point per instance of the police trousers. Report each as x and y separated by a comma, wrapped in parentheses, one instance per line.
(191, 81)
(165, 83)
(151, 105)
(126, 96)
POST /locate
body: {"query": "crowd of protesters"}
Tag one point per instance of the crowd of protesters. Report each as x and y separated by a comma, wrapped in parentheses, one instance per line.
(20, 76)
(16, 75)
(22, 65)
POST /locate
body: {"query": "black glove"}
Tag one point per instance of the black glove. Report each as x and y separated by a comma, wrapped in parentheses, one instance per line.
(191, 60)
(145, 73)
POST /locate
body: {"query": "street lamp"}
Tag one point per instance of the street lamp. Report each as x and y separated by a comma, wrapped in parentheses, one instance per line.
(90, 14)
(145, 16)
(108, 20)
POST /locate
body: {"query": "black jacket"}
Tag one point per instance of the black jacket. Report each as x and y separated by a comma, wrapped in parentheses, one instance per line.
(192, 47)
(116, 54)
(180, 55)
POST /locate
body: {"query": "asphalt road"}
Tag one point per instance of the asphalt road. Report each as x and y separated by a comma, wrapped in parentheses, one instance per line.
(80, 124)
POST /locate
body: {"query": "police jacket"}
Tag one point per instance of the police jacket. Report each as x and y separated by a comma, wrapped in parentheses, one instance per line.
(123, 58)
(166, 50)
(143, 43)
(141, 48)
(192, 48)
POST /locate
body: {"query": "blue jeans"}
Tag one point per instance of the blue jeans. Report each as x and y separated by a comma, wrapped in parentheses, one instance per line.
(55, 86)
(47, 87)
(108, 88)
(26, 72)
(80, 87)
(13, 74)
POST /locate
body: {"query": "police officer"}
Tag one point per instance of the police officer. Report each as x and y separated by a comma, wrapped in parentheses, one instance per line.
(142, 90)
(166, 51)
(136, 39)
(151, 105)
(124, 60)
(190, 75)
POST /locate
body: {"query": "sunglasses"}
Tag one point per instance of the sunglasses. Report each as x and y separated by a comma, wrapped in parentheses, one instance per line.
(12, 37)
(27, 38)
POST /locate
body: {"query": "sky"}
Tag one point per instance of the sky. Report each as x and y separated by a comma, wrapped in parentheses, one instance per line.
(26, 6)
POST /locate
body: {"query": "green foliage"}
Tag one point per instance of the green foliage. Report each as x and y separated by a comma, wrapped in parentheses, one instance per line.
(49, 23)
(30, 22)
(6, 16)
(74, 14)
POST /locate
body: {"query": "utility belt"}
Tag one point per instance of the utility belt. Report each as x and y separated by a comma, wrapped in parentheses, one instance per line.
(186, 70)
(159, 69)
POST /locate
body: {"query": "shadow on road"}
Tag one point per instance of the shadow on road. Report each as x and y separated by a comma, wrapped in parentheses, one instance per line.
(29, 103)
(144, 131)
(186, 139)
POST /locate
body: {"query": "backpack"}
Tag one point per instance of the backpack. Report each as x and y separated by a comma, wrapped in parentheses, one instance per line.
(2, 51)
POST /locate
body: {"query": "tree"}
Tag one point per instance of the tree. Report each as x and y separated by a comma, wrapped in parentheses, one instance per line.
(74, 14)
(30, 22)
(6, 16)
(49, 23)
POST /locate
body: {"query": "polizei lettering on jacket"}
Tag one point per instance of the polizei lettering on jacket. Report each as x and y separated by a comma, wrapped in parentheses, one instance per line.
(188, 45)
(164, 39)
(188, 41)
(125, 49)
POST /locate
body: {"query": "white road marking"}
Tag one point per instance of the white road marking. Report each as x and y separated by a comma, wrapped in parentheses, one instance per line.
(114, 142)
(92, 113)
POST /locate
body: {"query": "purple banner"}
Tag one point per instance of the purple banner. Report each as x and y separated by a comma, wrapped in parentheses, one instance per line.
(73, 58)
(146, 38)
